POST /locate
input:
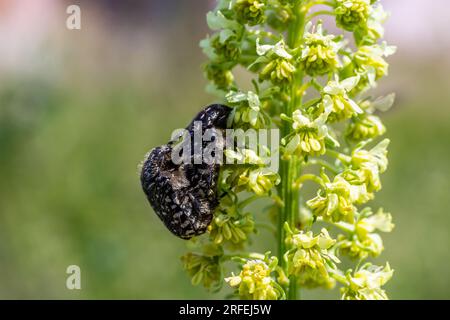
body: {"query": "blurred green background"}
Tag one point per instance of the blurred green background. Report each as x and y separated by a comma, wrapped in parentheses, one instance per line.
(79, 109)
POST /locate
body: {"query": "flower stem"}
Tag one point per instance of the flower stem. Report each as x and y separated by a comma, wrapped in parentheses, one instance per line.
(290, 169)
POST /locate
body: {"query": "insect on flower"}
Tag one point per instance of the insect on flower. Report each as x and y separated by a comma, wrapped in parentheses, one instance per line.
(184, 196)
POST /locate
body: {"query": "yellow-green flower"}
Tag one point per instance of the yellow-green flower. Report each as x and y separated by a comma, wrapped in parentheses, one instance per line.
(202, 269)
(373, 30)
(358, 249)
(278, 71)
(247, 110)
(319, 52)
(352, 14)
(309, 137)
(252, 175)
(361, 241)
(250, 12)
(260, 181)
(370, 64)
(372, 57)
(278, 64)
(309, 258)
(335, 202)
(365, 127)
(369, 164)
(381, 221)
(366, 283)
(335, 98)
(254, 282)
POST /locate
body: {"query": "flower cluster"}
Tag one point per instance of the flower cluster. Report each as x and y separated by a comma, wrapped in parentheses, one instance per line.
(365, 127)
(278, 62)
(364, 18)
(335, 98)
(221, 76)
(247, 110)
(202, 269)
(309, 135)
(360, 240)
(311, 85)
(374, 29)
(223, 50)
(252, 175)
(250, 12)
(352, 14)
(309, 257)
(227, 46)
(369, 63)
(366, 283)
(319, 52)
(369, 165)
(230, 225)
(255, 282)
(368, 126)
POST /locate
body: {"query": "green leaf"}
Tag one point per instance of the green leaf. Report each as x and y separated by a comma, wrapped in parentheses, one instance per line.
(217, 21)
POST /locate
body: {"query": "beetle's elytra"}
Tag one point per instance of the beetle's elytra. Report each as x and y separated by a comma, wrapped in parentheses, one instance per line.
(184, 196)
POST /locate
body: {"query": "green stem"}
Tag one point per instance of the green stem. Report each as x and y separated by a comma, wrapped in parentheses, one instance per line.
(248, 201)
(323, 163)
(339, 277)
(340, 156)
(321, 2)
(290, 169)
(311, 177)
(320, 13)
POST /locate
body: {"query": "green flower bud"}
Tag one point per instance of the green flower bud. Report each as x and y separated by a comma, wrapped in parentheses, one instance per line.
(220, 76)
(279, 18)
(250, 12)
(352, 14)
(232, 229)
(228, 49)
(203, 270)
(365, 127)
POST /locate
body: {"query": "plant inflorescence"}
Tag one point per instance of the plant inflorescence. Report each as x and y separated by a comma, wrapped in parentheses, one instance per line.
(313, 86)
